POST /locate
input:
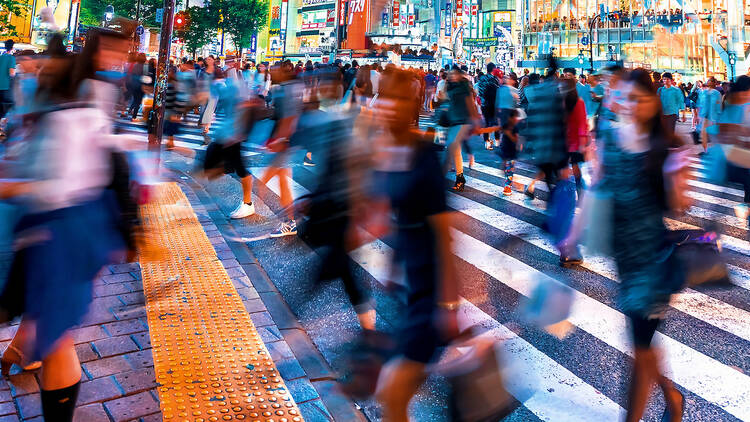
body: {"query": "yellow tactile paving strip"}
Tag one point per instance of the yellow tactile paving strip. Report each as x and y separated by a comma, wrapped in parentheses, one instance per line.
(210, 363)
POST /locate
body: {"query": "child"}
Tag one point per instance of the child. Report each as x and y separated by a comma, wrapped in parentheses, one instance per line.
(509, 149)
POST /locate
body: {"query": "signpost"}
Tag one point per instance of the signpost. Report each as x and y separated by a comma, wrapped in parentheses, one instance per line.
(156, 119)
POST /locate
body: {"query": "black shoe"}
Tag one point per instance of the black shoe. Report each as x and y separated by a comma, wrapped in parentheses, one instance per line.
(570, 261)
(667, 417)
(528, 193)
(308, 162)
(460, 183)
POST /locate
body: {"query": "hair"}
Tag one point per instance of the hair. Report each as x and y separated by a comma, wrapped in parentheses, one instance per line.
(85, 62)
(570, 70)
(666, 75)
(56, 46)
(534, 78)
(742, 84)
(9, 45)
(54, 81)
(490, 67)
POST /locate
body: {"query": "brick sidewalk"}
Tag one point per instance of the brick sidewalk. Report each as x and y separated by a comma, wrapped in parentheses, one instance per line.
(118, 382)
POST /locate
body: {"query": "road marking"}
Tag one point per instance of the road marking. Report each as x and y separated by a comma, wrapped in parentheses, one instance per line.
(557, 393)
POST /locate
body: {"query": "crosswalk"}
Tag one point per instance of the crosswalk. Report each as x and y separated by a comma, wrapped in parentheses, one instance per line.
(502, 253)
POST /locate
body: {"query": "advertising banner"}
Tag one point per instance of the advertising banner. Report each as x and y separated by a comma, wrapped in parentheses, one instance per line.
(396, 17)
(480, 42)
(448, 19)
(356, 24)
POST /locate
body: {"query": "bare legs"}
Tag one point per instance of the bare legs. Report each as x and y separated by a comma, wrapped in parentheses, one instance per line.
(645, 373)
(398, 382)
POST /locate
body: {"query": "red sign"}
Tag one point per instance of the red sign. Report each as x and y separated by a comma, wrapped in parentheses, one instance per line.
(474, 9)
(411, 20)
(396, 17)
(357, 24)
(459, 7)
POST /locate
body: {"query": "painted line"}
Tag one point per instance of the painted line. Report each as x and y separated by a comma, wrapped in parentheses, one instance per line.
(557, 394)
(712, 311)
(719, 384)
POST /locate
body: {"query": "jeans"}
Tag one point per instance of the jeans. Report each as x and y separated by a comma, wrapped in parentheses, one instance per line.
(6, 101)
(135, 103)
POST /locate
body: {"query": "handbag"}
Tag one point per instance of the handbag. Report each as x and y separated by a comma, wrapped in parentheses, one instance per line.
(597, 212)
(698, 255)
(477, 389)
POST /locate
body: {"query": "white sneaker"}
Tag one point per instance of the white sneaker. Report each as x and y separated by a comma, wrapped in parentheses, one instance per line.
(244, 210)
(742, 211)
(288, 228)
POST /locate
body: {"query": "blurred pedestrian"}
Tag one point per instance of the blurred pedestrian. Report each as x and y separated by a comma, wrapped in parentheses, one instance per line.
(734, 134)
(408, 178)
(633, 163)
(7, 72)
(672, 101)
(462, 114)
(55, 262)
(487, 92)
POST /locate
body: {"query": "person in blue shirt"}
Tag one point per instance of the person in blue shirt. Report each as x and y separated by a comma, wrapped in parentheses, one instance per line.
(709, 113)
(734, 129)
(672, 101)
(7, 72)
(584, 93)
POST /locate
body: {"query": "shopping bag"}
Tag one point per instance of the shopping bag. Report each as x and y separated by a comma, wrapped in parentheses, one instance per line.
(597, 214)
(562, 204)
(477, 388)
(695, 259)
(716, 165)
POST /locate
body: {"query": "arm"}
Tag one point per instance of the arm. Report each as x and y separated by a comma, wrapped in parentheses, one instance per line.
(449, 284)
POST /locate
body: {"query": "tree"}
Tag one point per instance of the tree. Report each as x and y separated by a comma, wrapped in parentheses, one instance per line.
(92, 11)
(240, 18)
(200, 29)
(9, 8)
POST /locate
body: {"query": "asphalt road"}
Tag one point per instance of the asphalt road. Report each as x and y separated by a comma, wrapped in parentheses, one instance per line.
(501, 253)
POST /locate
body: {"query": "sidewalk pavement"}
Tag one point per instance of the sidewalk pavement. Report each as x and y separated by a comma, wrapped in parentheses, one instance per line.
(118, 381)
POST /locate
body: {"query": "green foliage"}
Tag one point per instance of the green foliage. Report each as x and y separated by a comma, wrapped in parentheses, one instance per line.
(241, 18)
(200, 30)
(92, 11)
(8, 8)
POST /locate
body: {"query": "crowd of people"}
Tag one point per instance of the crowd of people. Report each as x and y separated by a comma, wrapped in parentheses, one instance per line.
(380, 174)
(613, 19)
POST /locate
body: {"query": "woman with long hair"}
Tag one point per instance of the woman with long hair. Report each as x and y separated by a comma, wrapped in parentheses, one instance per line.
(634, 155)
(63, 186)
(577, 130)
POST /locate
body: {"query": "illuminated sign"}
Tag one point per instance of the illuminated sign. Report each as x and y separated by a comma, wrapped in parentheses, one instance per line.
(502, 17)
(480, 42)
(396, 17)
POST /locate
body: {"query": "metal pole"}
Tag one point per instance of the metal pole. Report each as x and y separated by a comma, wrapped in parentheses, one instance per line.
(160, 89)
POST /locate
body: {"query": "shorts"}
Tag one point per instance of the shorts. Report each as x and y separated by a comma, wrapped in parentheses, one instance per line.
(171, 128)
(230, 157)
(508, 150)
(503, 116)
(576, 157)
(643, 330)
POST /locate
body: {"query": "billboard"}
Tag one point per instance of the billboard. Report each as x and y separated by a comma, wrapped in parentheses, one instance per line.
(356, 24)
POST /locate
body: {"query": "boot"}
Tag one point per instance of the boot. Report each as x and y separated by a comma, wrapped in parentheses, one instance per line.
(58, 405)
(460, 183)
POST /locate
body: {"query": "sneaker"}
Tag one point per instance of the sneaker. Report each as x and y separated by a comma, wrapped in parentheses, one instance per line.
(488, 145)
(244, 210)
(529, 194)
(288, 228)
(507, 191)
(309, 162)
(742, 211)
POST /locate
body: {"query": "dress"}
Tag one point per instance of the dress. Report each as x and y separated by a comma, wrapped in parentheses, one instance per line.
(416, 194)
(640, 249)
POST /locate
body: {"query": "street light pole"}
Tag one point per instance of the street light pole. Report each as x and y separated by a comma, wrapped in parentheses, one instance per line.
(591, 40)
(162, 68)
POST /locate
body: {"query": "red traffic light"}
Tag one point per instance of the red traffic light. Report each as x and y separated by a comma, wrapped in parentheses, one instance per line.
(181, 20)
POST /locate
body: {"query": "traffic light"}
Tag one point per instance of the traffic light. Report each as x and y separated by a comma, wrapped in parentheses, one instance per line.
(181, 20)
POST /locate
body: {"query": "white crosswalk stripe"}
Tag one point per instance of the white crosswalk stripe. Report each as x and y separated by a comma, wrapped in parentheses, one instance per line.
(547, 388)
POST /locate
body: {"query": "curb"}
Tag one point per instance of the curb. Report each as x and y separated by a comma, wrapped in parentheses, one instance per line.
(311, 380)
